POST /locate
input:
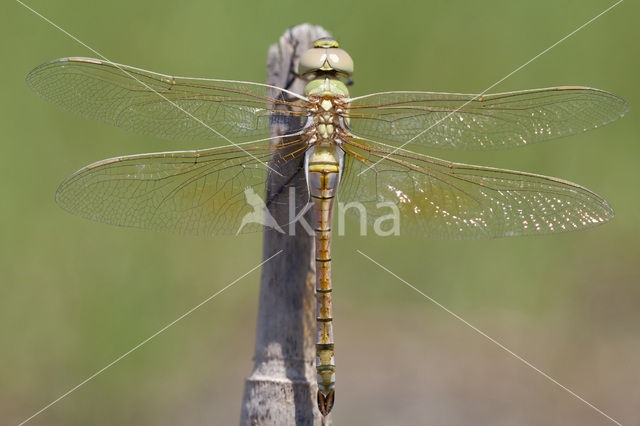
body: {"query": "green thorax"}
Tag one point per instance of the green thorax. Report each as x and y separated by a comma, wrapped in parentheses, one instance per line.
(326, 87)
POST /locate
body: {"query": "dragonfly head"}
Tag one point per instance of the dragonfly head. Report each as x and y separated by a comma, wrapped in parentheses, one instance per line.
(325, 57)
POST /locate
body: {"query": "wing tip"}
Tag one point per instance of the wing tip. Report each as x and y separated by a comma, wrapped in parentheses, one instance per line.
(609, 210)
(58, 61)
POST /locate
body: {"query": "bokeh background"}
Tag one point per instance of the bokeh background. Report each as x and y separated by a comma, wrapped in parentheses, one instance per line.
(75, 294)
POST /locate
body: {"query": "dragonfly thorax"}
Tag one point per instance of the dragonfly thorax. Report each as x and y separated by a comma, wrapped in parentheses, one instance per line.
(326, 87)
(327, 103)
(327, 124)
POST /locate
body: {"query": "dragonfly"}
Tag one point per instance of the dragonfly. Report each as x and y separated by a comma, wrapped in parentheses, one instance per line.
(352, 148)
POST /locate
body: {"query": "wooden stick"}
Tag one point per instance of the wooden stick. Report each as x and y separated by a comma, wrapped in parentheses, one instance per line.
(282, 387)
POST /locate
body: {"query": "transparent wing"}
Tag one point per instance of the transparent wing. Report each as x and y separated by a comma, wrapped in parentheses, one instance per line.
(176, 108)
(504, 120)
(207, 192)
(449, 200)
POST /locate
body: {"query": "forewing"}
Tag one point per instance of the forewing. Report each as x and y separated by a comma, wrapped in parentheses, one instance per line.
(482, 122)
(208, 192)
(436, 198)
(175, 108)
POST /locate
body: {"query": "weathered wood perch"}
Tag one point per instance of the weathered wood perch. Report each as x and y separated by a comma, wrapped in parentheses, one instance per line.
(282, 387)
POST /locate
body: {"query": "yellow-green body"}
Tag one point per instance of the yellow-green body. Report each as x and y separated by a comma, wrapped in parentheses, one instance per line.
(324, 163)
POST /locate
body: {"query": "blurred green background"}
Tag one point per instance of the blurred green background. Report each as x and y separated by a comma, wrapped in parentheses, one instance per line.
(75, 294)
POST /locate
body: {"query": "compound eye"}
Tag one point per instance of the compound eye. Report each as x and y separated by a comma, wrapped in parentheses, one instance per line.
(340, 61)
